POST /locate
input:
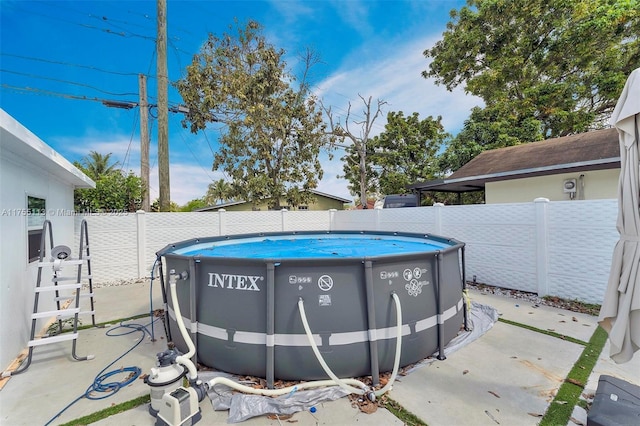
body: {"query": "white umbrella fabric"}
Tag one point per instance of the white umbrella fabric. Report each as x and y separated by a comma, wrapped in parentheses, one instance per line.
(620, 312)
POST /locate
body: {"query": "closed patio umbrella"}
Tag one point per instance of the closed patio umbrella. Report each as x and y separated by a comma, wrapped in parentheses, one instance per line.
(620, 312)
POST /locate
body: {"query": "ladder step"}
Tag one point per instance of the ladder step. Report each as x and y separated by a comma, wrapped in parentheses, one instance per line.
(55, 339)
(58, 287)
(64, 262)
(59, 279)
(62, 313)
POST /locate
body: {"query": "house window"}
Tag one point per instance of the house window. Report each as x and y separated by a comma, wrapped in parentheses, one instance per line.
(36, 214)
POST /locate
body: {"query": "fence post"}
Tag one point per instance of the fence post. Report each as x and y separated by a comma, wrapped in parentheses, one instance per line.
(542, 245)
(438, 218)
(141, 226)
(332, 214)
(283, 219)
(221, 222)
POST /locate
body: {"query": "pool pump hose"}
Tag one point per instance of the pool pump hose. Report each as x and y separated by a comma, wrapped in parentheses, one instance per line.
(341, 382)
(349, 385)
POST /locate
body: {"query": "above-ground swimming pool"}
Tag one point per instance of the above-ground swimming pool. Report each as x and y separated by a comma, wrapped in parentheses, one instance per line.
(240, 300)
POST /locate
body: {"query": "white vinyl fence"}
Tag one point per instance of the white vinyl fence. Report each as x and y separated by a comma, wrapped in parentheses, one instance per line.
(559, 248)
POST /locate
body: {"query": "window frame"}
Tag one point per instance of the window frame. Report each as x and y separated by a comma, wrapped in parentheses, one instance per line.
(36, 214)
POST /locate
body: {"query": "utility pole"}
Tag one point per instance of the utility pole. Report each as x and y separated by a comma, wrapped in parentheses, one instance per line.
(144, 141)
(163, 107)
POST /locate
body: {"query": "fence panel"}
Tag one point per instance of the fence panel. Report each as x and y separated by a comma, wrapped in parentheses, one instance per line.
(582, 235)
(500, 242)
(557, 248)
(161, 229)
(113, 245)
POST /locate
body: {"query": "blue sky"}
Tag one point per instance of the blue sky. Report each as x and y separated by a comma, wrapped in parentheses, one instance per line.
(60, 59)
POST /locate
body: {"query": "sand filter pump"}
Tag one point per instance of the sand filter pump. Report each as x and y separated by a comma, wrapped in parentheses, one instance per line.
(175, 405)
(172, 403)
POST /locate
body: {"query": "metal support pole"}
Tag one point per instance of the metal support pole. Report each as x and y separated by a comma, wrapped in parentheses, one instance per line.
(440, 318)
(464, 291)
(271, 309)
(371, 323)
(193, 308)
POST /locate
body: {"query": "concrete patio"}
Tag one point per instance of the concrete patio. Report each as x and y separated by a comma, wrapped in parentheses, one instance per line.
(508, 376)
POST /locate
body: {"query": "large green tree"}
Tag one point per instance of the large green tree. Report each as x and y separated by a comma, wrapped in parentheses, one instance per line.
(273, 132)
(115, 191)
(487, 128)
(406, 151)
(560, 62)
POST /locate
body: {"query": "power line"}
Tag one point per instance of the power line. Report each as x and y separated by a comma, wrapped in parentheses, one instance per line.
(127, 155)
(195, 156)
(87, 26)
(37, 91)
(31, 58)
(67, 82)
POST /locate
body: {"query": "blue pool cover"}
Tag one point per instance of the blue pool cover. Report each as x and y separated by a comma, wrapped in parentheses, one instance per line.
(321, 246)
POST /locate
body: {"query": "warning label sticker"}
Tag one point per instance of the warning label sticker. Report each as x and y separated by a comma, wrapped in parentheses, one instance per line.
(324, 300)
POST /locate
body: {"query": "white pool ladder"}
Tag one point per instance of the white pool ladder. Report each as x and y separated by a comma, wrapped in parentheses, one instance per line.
(60, 257)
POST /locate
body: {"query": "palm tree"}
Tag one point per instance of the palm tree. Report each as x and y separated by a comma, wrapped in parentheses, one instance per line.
(219, 190)
(96, 165)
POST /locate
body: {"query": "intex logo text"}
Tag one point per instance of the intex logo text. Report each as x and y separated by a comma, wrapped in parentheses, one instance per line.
(235, 282)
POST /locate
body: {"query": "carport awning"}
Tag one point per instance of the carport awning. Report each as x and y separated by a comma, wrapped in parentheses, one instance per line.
(442, 185)
(477, 183)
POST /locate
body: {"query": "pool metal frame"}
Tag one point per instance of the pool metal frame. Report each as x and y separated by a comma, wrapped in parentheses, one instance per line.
(272, 263)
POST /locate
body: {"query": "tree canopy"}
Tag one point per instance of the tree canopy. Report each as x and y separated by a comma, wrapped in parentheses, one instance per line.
(96, 165)
(560, 62)
(218, 191)
(406, 151)
(487, 128)
(273, 132)
(115, 190)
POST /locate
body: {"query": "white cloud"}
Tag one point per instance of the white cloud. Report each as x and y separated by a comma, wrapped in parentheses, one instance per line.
(187, 181)
(119, 146)
(395, 76)
(292, 10)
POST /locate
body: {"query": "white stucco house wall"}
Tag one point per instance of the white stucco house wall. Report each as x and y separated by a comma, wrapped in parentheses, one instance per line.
(33, 178)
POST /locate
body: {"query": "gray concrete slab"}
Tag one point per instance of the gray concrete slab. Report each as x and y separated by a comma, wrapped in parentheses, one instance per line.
(54, 379)
(573, 324)
(124, 301)
(500, 378)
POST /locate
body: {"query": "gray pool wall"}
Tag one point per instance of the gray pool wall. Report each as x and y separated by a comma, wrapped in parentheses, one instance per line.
(244, 318)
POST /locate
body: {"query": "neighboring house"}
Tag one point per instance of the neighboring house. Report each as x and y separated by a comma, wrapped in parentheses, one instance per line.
(36, 183)
(585, 166)
(321, 201)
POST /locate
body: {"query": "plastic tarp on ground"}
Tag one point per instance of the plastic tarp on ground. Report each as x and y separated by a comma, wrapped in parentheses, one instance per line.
(243, 406)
